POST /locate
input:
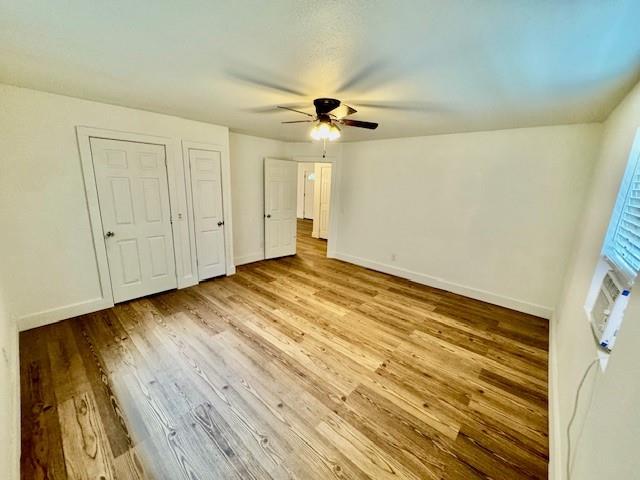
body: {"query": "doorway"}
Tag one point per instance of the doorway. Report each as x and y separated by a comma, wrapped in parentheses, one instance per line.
(314, 197)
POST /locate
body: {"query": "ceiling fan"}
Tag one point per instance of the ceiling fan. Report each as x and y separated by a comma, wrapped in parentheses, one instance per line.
(330, 113)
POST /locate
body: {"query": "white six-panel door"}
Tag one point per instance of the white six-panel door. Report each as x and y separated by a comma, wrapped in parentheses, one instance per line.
(325, 196)
(309, 183)
(280, 195)
(131, 179)
(206, 188)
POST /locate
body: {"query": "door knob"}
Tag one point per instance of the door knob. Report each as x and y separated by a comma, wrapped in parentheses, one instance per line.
(220, 224)
(109, 234)
(268, 215)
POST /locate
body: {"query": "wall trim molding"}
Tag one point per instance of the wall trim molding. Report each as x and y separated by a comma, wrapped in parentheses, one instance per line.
(555, 433)
(249, 258)
(478, 294)
(53, 315)
(14, 434)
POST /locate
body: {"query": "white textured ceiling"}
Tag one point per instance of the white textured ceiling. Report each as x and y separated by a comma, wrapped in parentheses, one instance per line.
(451, 65)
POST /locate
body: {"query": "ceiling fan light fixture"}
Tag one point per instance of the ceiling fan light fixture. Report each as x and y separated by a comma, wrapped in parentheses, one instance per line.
(334, 133)
(315, 132)
(325, 131)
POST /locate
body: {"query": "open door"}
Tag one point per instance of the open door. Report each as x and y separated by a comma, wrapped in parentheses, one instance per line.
(280, 198)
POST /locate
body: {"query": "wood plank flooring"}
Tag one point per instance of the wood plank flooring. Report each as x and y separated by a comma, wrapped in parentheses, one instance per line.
(301, 367)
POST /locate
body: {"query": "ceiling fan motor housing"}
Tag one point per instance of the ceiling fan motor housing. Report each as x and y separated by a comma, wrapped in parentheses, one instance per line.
(325, 105)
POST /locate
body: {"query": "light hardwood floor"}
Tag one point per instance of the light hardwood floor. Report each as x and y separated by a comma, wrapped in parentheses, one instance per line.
(300, 367)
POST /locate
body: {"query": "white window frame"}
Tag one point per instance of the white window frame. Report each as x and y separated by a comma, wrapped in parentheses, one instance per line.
(632, 169)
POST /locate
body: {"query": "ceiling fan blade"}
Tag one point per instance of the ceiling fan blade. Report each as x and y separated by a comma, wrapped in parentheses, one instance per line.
(274, 108)
(297, 111)
(359, 123)
(342, 111)
(261, 79)
(405, 106)
(299, 121)
(365, 75)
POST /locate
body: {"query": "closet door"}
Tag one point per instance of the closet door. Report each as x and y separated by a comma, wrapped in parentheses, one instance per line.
(206, 189)
(133, 194)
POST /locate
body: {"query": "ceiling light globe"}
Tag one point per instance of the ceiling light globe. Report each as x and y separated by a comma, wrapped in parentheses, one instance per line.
(315, 133)
(334, 133)
(324, 130)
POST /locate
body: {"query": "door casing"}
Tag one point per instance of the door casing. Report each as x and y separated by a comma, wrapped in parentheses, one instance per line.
(181, 208)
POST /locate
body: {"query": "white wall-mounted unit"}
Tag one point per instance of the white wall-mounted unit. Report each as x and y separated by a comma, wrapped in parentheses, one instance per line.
(607, 310)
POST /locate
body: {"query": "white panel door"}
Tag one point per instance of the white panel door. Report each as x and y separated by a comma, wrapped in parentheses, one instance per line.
(309, 176)
(280, 196)
(324, 183)
(206, 189)
(136, 217)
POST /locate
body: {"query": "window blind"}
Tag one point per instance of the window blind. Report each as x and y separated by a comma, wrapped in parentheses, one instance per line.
(623, 243)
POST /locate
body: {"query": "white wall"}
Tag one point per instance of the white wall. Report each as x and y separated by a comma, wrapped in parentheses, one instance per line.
(490, 215)
(607, 438)
(9, 396)
(247, 191)
(312, 151)
(46, 239)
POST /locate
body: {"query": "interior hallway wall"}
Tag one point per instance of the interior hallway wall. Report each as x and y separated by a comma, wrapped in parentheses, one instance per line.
(606, 440)
(491, 215)
(247, 155)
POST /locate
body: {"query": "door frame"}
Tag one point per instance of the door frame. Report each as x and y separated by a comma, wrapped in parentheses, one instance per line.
(225, 169)
(84, 135)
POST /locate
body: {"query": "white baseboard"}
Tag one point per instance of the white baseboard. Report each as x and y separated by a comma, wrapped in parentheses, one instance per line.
(14, 434)
(250, 258)
(478, 294)
(556, 471)
(54, 315)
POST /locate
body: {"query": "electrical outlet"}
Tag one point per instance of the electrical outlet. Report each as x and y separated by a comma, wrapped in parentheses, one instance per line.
(393, 257)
